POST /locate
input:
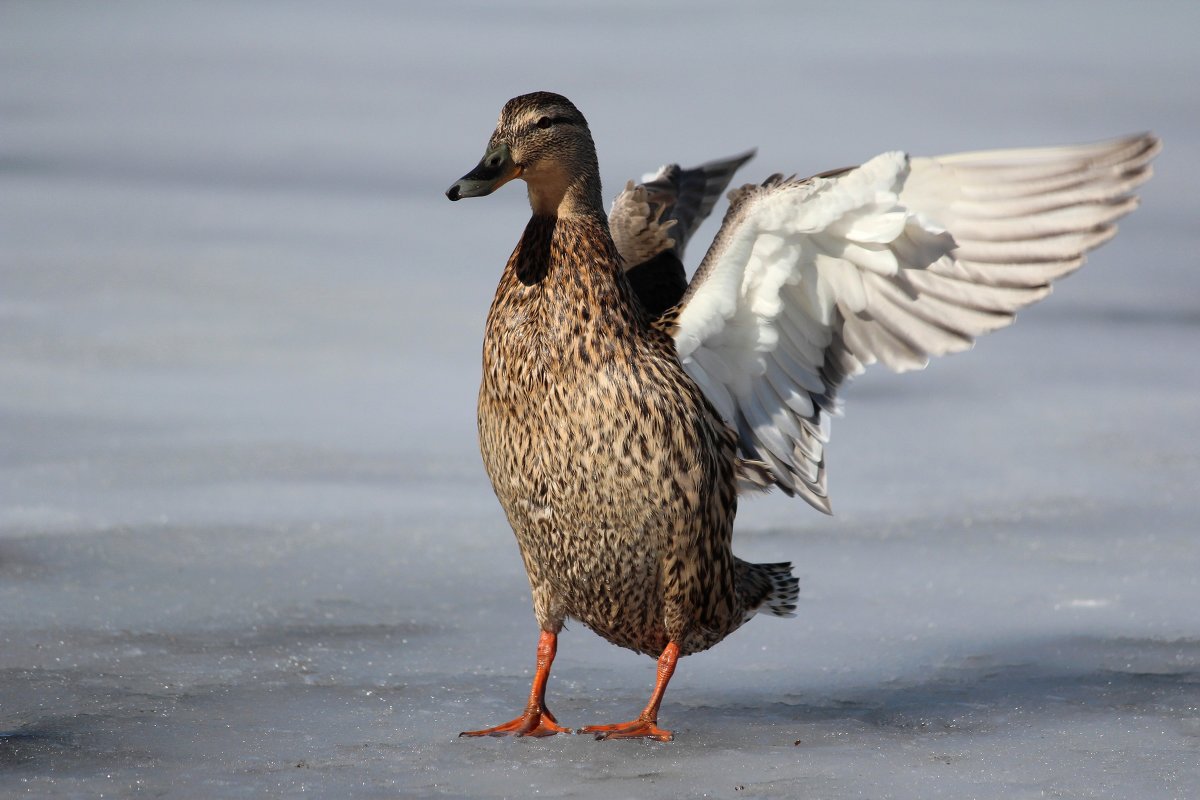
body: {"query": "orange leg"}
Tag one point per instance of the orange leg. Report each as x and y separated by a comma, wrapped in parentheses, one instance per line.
(537, 719)
(646, 725)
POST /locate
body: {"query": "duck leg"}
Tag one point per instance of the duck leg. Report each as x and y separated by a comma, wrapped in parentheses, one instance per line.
(537, 719)
(646, 725)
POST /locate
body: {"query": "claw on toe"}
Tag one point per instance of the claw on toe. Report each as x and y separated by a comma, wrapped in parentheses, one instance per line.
(637, 729)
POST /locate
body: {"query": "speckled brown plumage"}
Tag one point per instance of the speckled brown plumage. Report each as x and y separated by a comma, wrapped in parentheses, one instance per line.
(617, 475)
(615, 472)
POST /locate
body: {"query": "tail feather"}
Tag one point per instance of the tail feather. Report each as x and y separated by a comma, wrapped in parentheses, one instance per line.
(769, 588)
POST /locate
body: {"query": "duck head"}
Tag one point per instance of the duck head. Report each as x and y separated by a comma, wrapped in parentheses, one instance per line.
(542, 139)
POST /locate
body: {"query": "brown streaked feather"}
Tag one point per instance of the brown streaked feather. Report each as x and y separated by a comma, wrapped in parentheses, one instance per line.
(615, 472)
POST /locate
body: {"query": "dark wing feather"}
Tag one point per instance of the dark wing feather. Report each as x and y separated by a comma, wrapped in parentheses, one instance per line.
(652, 222)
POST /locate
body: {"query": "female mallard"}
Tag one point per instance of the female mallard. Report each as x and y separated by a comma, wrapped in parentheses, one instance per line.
(616, 439)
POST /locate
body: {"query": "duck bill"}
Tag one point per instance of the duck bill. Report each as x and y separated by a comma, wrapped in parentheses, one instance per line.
(495, 169)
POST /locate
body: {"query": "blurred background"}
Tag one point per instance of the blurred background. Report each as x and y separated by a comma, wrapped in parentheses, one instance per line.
(246, 541)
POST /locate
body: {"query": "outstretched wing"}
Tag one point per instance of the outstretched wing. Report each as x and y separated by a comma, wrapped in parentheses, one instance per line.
(652, 221)
(809, 281)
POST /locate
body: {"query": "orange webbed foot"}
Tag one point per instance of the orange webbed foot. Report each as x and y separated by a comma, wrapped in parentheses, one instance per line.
(637, 729)
(533, 722)
(537, 719)
(646, 725)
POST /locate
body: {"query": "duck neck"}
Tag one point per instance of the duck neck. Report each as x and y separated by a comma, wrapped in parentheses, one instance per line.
(562, 262)
(566, 202)
(574, 252)
(566, 190)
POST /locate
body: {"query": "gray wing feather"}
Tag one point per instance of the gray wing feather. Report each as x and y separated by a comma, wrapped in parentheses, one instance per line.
(663, 211)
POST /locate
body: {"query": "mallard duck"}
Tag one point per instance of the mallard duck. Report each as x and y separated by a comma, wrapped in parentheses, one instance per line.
(622, 409)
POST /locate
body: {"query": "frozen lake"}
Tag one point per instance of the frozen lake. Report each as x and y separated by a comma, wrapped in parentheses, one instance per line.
(247, 547)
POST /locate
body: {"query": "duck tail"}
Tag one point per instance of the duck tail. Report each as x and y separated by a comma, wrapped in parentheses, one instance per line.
(770, 588)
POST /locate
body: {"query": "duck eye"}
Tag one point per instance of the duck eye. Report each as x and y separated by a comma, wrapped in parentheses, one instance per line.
(545, 122)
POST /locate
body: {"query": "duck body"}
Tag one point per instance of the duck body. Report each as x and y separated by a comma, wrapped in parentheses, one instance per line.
(622, 408)
(615, 472)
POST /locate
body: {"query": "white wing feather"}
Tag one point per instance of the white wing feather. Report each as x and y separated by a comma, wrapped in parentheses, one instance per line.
(895, 261)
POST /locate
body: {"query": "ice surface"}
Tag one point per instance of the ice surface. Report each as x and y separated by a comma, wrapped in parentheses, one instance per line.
(246, 545)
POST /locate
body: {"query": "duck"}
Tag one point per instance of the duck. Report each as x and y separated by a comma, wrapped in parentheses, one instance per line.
(623, 409)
